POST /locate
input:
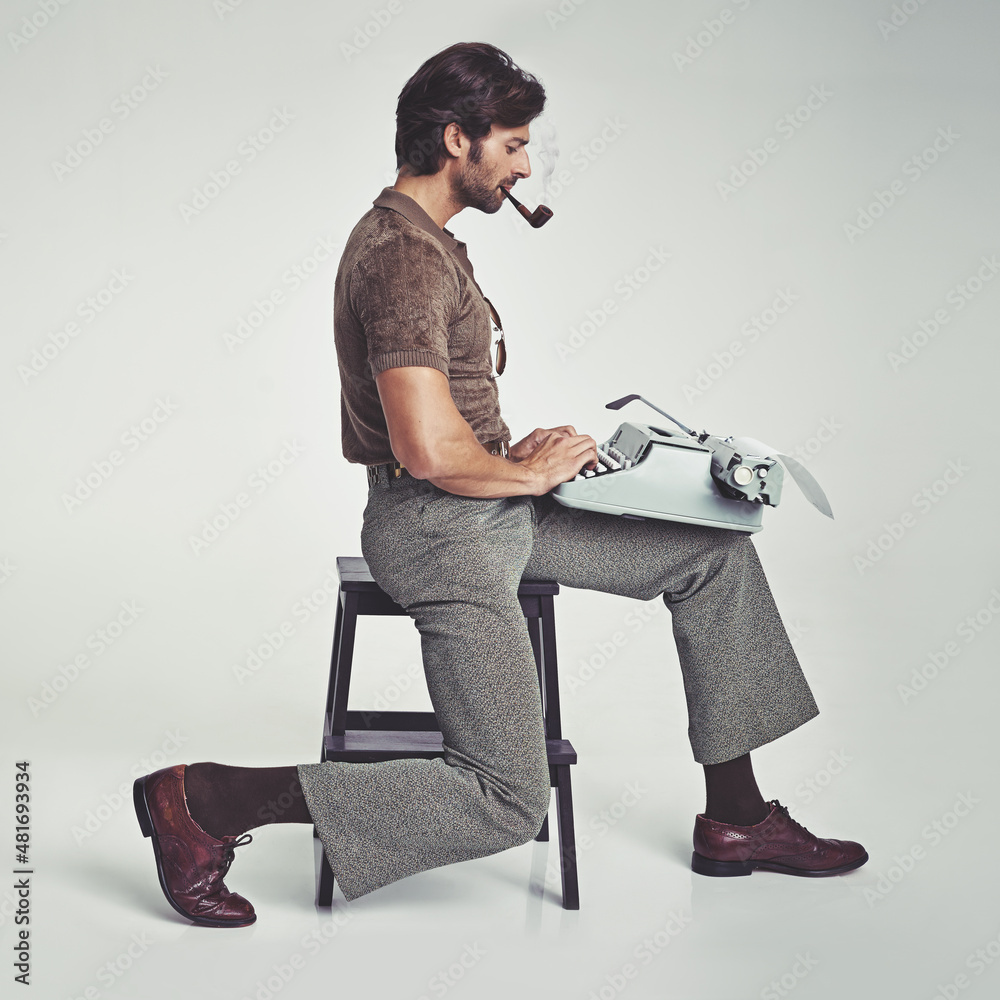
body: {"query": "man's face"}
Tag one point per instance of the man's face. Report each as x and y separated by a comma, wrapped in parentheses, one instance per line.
(497, 160)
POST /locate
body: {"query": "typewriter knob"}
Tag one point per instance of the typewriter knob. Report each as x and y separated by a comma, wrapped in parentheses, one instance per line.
(743, 476)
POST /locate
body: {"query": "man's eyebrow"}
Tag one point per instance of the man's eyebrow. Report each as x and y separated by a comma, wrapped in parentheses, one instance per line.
(517, 139)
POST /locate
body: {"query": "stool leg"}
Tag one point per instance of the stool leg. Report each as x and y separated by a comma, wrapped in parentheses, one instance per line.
(324, 888)
(549, 674)
(344, 661)
(335, 655)
(567, 838)
(341, 661)
(535, 635)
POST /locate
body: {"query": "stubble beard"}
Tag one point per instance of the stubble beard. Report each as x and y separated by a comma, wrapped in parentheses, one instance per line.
(476, 186)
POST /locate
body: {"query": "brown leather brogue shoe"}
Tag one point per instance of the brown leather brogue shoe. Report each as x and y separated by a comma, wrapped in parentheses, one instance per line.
(776, 844)
(191, 864)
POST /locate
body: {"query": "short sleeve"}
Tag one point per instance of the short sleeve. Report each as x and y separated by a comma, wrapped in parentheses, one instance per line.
(405, 293)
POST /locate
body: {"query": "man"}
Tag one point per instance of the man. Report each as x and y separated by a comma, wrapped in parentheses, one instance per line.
(455, 517)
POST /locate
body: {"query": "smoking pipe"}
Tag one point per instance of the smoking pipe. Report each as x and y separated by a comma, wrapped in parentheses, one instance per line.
(536, 219)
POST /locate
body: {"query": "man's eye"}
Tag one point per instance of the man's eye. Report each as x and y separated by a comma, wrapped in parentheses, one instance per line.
(511, 149)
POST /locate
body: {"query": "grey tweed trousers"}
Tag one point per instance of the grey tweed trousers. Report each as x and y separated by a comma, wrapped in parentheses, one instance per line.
(455, 564)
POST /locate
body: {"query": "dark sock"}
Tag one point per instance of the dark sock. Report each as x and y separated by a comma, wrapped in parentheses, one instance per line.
(227, 801)
(731, 793)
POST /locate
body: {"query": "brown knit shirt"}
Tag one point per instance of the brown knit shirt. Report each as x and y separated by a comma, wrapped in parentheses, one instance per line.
(406, 295)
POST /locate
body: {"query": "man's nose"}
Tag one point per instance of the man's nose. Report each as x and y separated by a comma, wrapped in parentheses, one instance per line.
(523, 168)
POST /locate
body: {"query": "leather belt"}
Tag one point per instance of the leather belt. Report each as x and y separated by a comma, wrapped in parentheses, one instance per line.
(388, 471)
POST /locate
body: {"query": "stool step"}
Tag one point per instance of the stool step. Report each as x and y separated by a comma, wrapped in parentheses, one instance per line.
(366, 746)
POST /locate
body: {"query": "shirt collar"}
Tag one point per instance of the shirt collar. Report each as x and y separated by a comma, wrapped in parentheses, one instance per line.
(412, 212)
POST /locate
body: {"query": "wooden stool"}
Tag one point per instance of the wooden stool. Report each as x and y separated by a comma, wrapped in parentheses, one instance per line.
(365, 737)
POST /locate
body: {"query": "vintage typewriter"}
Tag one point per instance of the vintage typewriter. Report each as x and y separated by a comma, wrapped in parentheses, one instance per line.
(724, 482)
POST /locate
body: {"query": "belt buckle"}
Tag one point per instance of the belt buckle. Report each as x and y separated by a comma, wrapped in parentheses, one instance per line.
(390, 471)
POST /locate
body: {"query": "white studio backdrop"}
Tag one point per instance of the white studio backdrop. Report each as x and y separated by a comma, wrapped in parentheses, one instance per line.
(772, 218)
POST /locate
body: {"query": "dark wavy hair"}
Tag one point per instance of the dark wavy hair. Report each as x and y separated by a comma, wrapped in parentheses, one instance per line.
(473, 84)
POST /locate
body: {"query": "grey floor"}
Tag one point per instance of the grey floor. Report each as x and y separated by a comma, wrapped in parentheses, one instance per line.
(908, 923)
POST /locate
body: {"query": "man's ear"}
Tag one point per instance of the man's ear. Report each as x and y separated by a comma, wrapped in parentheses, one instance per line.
(454, 138)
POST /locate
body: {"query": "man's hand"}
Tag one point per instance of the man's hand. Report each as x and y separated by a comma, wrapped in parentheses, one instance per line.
(555, 455)
(520, 451)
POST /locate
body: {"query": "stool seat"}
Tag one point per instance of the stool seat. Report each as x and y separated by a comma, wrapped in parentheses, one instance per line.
(355, 578)
(357, 736)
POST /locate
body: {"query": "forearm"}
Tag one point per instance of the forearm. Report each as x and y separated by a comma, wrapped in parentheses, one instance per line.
(464, 467)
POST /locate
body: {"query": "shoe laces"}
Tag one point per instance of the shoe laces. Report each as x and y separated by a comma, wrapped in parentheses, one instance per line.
(784, 812)
(229, 852)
